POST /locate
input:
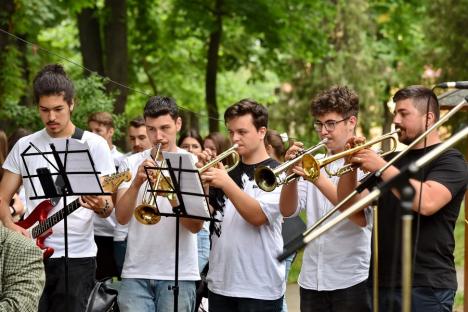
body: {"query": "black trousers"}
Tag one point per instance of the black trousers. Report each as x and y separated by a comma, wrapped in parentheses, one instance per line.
(81, 277)
(354, 298)
(233, 304)
(105, 259)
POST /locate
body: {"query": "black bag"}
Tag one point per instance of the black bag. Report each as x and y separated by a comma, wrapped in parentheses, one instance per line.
(103, 298)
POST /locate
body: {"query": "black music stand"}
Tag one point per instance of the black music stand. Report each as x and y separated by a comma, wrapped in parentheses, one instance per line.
(75, 174)
(182, 186)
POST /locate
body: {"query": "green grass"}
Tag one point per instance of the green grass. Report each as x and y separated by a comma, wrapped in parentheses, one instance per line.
(296, 265)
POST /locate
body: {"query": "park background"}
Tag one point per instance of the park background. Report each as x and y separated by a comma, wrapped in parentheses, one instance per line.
(208, 54)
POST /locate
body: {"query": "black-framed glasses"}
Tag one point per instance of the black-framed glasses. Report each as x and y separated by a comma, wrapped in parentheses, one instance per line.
(329, 124)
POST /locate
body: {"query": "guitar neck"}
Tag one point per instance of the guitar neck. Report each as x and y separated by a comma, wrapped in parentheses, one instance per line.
(55, 218)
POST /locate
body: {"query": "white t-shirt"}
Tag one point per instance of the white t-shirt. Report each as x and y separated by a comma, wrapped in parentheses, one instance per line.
(151, 248)
(243, 258)
(80, 222)
(340, 257)
(106, 226)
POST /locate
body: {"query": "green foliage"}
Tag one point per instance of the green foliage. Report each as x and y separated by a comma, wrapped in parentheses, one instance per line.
(93, 98)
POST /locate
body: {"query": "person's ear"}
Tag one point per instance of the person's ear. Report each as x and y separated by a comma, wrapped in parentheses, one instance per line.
(353, 121)
(262, 131)
(178, 123)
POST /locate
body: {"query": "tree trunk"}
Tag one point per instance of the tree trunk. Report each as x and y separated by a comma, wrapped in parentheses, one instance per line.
(116, 50)
(189, 121)
(90, 40)
(388, 120)
(212, 70)
(7, 9)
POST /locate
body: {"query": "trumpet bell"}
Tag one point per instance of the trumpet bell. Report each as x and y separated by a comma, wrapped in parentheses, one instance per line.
(266, 178)
(311, 167)
(147, 214)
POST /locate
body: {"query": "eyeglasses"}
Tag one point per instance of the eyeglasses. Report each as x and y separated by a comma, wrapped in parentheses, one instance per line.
(329, 124)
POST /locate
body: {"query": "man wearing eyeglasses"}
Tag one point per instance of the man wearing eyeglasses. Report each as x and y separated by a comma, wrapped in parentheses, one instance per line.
(335, 266)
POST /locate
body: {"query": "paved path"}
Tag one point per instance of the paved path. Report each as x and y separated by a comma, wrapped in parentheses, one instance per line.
(292, 297)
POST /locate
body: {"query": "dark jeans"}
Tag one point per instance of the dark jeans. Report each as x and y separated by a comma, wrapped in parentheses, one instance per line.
(355, 298)
(424, 299)
(227, 304)
(105, 261)
(120, 248)
(81, 275)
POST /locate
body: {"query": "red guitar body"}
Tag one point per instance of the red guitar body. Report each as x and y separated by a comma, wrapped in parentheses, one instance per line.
(39, 214)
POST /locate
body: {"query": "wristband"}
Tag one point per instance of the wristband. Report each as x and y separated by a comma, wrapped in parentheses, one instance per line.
(103, 211)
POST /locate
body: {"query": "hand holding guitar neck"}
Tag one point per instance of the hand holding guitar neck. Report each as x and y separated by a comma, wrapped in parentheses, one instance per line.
(39, 223)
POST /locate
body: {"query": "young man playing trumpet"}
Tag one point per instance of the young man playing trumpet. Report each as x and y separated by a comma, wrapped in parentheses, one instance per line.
(148, 271)
(244, 274)
(439, 192)
(335, 266)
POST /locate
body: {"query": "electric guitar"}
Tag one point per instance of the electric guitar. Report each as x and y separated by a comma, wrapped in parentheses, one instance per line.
(39, 224)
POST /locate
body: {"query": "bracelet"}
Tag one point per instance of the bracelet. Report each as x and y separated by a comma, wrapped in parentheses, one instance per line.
(103, 211)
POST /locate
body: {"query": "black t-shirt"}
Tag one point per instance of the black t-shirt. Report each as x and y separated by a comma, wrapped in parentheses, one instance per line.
(434, 265)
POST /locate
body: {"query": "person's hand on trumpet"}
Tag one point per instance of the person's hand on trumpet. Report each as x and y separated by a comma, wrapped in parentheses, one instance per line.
(293, 152)
(203, 158)
(141, 176)
(216, 175)
(368, 160)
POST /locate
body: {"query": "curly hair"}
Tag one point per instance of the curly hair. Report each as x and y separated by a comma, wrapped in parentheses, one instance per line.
(338, 99)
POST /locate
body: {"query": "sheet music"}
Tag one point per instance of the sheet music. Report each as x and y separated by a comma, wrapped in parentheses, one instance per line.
(189, 182)
(78, 166)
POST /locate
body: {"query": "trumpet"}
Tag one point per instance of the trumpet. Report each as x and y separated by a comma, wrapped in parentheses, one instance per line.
(229, 152)
(312, 166)
(147, 212)
(268, 179)
(350, 167)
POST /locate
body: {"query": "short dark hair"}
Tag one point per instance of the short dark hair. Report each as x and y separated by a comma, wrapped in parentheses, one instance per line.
(420, 96)
(159, 106)
(103, 118)
(258, 112)
(52, 80)
(137, 122)
(338, 99)
(192, 133)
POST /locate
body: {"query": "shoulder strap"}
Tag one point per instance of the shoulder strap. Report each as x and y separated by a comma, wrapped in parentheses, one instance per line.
(78, 134)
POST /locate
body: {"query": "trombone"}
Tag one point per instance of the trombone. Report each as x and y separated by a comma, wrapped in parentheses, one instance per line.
(268, 179)
(372, 177)
(147, 212)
